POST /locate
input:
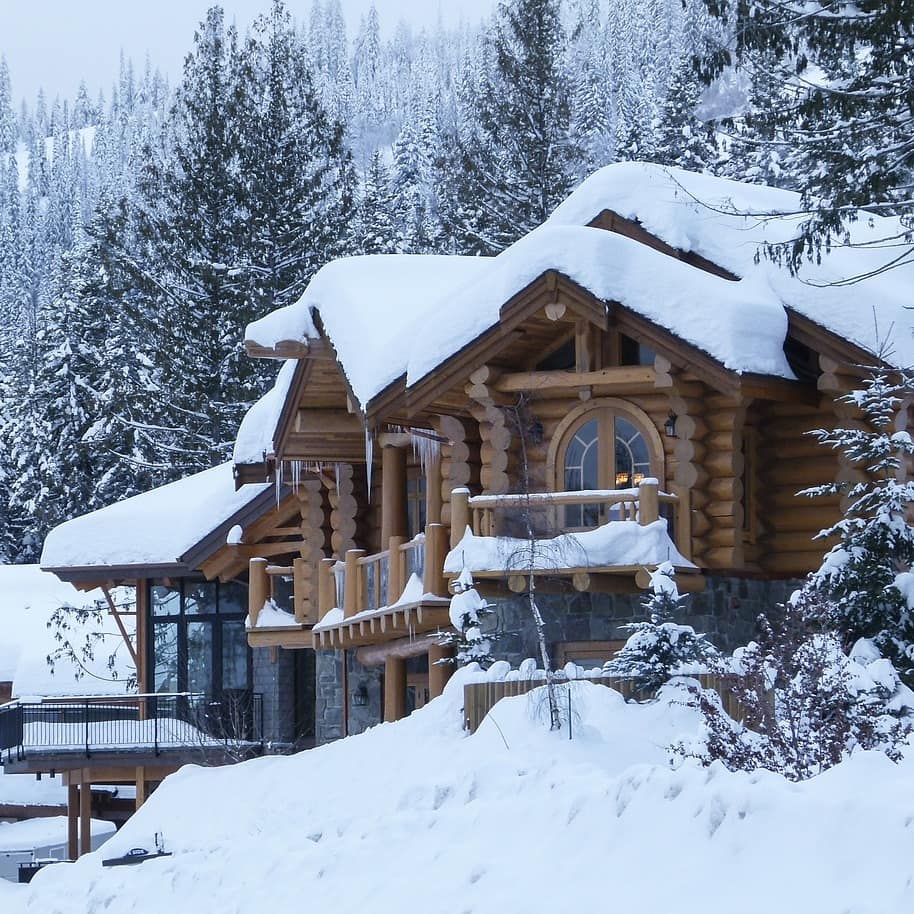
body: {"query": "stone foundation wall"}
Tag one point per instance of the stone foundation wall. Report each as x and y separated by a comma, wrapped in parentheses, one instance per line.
(328, 712)
(726, 611)
(274, 679)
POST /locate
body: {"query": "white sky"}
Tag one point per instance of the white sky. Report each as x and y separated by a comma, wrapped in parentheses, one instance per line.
(55, 43)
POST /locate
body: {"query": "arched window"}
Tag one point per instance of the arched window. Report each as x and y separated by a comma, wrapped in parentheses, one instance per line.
(604, 447)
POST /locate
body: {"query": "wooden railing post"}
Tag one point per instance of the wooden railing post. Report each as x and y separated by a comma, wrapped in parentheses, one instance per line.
(354, 588)
(460, 514)
(435, 553)
(258, 588)
(395, 576)
(648, 501)
(326, 587)
(438, 673)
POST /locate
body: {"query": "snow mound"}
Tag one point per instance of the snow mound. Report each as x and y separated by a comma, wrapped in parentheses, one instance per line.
(417, 809)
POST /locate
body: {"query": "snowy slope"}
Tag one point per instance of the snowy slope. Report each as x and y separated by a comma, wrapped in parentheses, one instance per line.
(417, 816)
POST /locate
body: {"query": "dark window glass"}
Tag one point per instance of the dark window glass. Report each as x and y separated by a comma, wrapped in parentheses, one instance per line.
(234, 656)
(233, 599)
(200, 598)
(165, 652)
(561, 359)
(200, 657)
(166, 601)
(283, 593)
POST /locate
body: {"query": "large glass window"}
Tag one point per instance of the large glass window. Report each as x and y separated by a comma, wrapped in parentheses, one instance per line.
(197, 639)
(606, 450)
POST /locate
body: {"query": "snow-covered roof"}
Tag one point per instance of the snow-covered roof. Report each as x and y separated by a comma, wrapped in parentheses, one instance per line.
(730, 223)
(371, 307)
(156, 528)
(28, 599)
(390, 315)
(254, 441)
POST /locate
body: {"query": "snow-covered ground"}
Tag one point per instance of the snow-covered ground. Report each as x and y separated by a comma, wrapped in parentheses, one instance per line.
(417, 815)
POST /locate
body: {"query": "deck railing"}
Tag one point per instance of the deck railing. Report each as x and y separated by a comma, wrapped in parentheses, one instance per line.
(116, 723)
(490, 515)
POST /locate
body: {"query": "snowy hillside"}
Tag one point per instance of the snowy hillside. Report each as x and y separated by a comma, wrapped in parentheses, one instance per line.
(417, 815)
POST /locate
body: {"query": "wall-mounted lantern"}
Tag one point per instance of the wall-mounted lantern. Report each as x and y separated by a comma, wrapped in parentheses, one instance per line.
(669, 427)
(360, 696)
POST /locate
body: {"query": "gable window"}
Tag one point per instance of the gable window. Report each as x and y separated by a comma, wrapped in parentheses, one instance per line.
(605, 448)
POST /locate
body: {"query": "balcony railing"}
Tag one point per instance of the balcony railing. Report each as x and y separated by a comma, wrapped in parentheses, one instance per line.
(118, 723)
(510, 514)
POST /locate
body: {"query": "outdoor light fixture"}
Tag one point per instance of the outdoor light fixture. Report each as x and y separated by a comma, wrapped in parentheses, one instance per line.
(360, 697)
(669, 427)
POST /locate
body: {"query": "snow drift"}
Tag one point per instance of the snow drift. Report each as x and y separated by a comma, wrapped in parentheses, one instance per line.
(514, 818)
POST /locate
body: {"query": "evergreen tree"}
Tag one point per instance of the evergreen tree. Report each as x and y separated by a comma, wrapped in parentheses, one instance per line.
(375, 232)
(659, 646)
(845, 112)
(513, 170)
(862, 587)
(682, 138)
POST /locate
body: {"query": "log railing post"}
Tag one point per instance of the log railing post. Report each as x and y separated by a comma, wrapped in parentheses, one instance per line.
(648, 501)
(438, 672)
(326, 587)
(395, 577)
(435, 553)
(460, 514)
(353, 590)
(258, 588)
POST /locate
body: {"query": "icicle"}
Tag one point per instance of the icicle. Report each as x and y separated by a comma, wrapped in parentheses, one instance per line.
(426, 446)
(369, 457)
(278, 480)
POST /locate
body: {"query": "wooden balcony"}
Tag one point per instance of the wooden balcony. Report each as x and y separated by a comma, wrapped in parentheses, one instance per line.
(553, 534)
(368, 599)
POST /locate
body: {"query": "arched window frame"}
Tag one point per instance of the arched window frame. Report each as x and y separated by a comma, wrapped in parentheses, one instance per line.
(605, 410)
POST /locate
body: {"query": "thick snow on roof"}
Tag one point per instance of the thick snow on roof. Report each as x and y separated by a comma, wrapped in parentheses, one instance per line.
(155, 528)
(255, 434)
(729, 223)
(371, 306)
(28, 599)
(739, 324)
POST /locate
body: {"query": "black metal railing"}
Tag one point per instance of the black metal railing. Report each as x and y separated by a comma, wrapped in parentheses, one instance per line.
(156, 722)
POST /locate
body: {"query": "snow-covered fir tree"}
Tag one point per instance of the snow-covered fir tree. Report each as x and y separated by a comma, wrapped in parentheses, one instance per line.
(659, 646)
(468, 612)
(862, 587)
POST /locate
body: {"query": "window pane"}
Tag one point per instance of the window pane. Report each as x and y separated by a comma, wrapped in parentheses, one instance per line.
(200, 598)
(632, 458)
(233, 598)
(200, 657)
(165, 656)
(166, 601)
(234, 656)
(582, 471)
(283, 593)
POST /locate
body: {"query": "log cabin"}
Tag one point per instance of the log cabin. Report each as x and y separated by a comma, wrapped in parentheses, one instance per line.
(630, 383)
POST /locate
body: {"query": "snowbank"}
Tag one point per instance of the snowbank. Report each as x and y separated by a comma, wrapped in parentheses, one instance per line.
(28, 599)
(514, 818)
(620, 542)
(155, 528)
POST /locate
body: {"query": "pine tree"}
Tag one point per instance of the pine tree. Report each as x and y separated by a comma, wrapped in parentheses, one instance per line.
(862, 586)
(468, 612)
(682, 138)
(845, 109)
(507, 176)
(659, 646)
(375, 232)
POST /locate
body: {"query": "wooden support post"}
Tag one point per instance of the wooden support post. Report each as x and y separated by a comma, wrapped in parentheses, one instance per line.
(438, 673)
(142, 623)
(258, 588)
(460, 514)
(85, 814)
(394, 520)
(140, 786)
(326, 587)
(648, 501)
(433, 490)
(435, 554)
(353, 594)
(72, 821)
(395, 572)
(304, 608)
(394, 689)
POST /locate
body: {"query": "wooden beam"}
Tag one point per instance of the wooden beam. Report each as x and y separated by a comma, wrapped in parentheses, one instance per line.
(140, 786)
(628, 378)
(404, 648)
(112, 610)
(439, 672)
(85, 814)
(72, 821)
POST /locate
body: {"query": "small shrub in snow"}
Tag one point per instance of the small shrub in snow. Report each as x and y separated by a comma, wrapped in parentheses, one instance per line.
(468, 610)
(658, 647)
(806, 705)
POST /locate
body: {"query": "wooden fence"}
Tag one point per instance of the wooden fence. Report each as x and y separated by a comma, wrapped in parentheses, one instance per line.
(480, 697)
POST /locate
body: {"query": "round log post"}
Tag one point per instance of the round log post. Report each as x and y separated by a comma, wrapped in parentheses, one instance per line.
(353, 591)
(326, 587)
(435, 553)
(648, 501)
(438, 673)
(395, 575)
(258, 588)
(460, 514)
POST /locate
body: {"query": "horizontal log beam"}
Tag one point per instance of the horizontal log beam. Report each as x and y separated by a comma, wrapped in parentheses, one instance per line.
(637, 376)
